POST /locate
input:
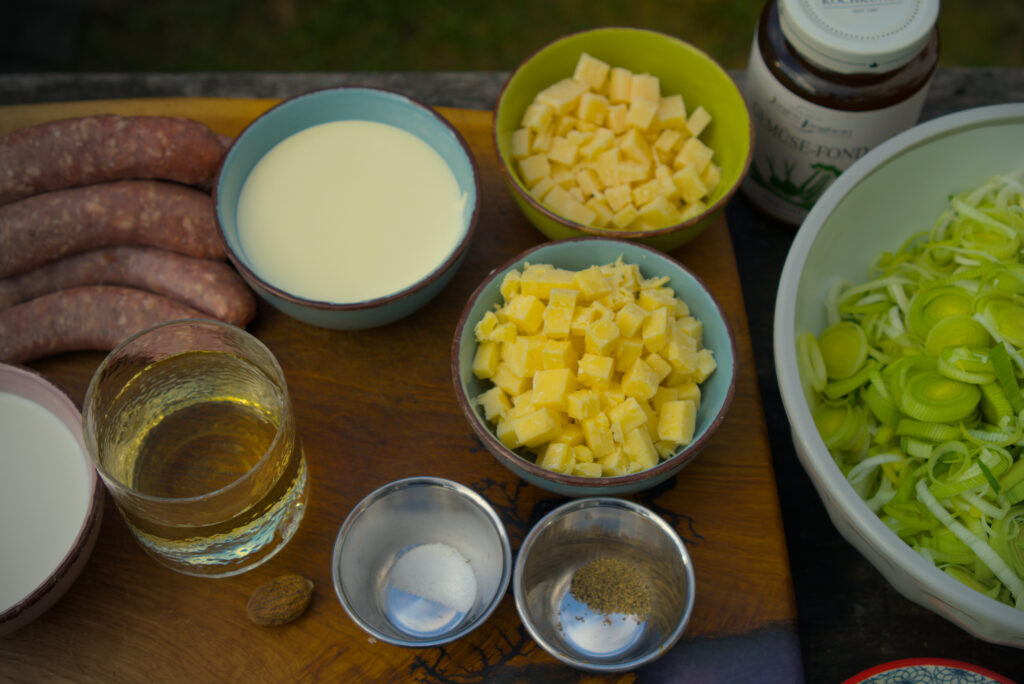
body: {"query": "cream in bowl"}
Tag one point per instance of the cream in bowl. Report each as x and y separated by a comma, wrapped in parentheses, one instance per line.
(348, 207)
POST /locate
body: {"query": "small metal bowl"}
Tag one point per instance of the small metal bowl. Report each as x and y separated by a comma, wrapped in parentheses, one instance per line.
(563, 545)
(421, 562)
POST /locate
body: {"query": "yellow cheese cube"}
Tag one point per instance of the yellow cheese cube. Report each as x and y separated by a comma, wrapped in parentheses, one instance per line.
(651, 298)
(572, 434)
(645, 86)
(521, 405)
(692, 328)
(617, 118)
(705, 365)
(582, 453)
(510, 383)
(618, 196)
(633, 171)
(594, 370)
(485, 326)
(557, 457)
(592, 108)
(542, 187)
(540, 279)
(711, 176)
(659, 366)
(667, 140)
(694, 153)
(640, 381)
(687, 180)
(486, 358)
(591, 71)
(677, 421)
(630, 349)
(629, 319)
(521, 143)
(659, 211)
(682, 357)
(662, 395)
(537, 117)
(551, 387)
(688, 390)
(565, 125)
(504, 332)
(587, 470)
(510, 284)
(591, 283)
(614, 463)
(601, 337)
(527, 312)
(607, 167)
(602, 211)
(562, 151)
(558, 314)
(564, 204)
(655, 329)
(588, 181)
(559, 353)
(602, 139)
(698, 121)
(635, 146)
(494, 403)
(525, 355)
(506, 435)
(671, 112)
(597, 433)
(620, 81)
(641, 112)
(691, 210)
(533, 168)
(623, 217)
(666, 185)
(646, 193)
(537, 427)
(562, 96)
(542, 140)
(639, 447)
(582, 404)
(628, 414)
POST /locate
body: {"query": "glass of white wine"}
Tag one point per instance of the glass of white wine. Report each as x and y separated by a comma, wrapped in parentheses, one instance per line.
(190, 425)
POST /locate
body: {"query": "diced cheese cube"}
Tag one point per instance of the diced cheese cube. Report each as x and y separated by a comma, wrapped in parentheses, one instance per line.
(659, 211)
(537, 427)
(601, 337)
(520, 143)
(591, 71)
(582, 404)
(565, 125)
(560, 354)
(617, 117)
(602, 211)
(597, 433)
(688, 181)
(506, 435)
(618, 196)
(691, 210)
(537, 117)
(542, 188)
(667, 140)
(666, 185)
(640, 381)
(659, 366)
(540, 279)
(494, 403)
(698, 121)
(601, 141)
(630, 349)
(705, 365)
(628, 414)
(588, 181)
(510, 383)
(655, 330)
(633, 171)
(623, 217)
(533, 168)
(558, 457)
(606, 164)
(591, 283)
(587, 469)
(641, 113)
(639, 447)
(629, 318)
(562, 96)
(646, 86)
(671, 112)
(562, 151)
(595, 371)
(527, 312)
(646, 192)
(565, 205)
(695, 153)
(635, 146)
(677, 421)
(711, 176)
(614, 463)
(592, 108)
(525, 355)
(620, 81)
(551, 387)
(486, 358)
(542, 140)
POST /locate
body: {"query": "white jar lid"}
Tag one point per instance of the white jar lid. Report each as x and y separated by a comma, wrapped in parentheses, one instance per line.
(858, 36)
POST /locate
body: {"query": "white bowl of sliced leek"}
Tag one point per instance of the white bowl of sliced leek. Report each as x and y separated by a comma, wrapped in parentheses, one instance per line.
(900, 363)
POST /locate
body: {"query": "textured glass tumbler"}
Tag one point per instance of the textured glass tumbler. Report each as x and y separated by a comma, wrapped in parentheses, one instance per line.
(190, 426)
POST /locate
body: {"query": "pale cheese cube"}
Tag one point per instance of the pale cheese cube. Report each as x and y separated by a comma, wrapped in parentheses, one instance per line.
(542, 140)
(659, 211)
(711, 176)
(542, 187)
(597, 433)
(640, 381)
(618, 196)
(588, 181)
(592, 108)
(537, 427)
(667, 140)
(603, 213)
(495, 403)
(533, 168)
(564, 204)
(616, 119)
(698, 121)
(620, 81)
(635, 146)
(562, 96)
(558, 457)
(578, 195)
(691, 210)
(671, 112)
(591, 71)
(551, 387)
(486, 358)
(641, 112)
(633, 171)
(520, 146)
(662, 395)
(564, 125)
(623, 217)
(602, 139)
(563, 151)
(677, 421)
(666, 184)
(688, 181)
(607, 167)
(646, 192)
(537, 117)
(645, 86)
(695, 153)
(595, 371)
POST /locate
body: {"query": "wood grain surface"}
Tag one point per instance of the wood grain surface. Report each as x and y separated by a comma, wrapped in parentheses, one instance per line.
(376, 405)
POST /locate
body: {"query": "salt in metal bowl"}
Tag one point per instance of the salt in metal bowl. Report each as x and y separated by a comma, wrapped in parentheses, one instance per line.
(583, 531)
(421, 562)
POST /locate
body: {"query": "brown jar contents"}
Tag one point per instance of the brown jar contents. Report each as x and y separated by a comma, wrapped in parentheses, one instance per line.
(609, 585)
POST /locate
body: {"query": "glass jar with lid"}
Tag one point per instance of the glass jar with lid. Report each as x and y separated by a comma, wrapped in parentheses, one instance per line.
(827, 80)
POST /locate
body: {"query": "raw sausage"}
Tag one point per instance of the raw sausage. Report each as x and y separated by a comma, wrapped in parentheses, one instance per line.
(105, 147)
(212, 287)
(139, 212)
(82, 318)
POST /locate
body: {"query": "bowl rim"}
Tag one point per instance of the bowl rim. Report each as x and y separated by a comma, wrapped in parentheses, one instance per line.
(511, 459)
(379, 494)
(423, 283)
(81, 547)
(950, 597)
(513, 182)
(620, 504)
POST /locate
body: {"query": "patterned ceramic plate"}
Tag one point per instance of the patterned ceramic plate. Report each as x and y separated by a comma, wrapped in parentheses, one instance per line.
(927, 671)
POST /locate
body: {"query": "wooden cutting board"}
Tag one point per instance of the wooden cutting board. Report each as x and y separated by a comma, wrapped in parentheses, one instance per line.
(377, 405)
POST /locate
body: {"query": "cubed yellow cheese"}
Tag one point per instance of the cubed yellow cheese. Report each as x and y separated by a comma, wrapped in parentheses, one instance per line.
(635, 146)
(591, 283)
(557, 457)
(620, 81)
(601, 337)
(563, 151)
(711, 176)
(631, 171)
(562, 96)
(655, 329)
(646, 192)
(527, 312)
(640, 381)
(659, 212)
(565, 126)
(495, 403)
(666, 185)
(617, 118)
(602, 140)
(639, 447)
(588, 181)
(671, 112)
(677, 421)
(688, 181)
(602, 210)
(606, 164)
(694, 153)
(521, 143)
(533, 168)
(541, 188)
(618, 196)
(485, 361)
(623, 217)
(541, 141)
(641, 112)
(667, 140)
(698, 121)
(537, 427)
(591, 71)
(552, 387)
(593, 108)
(597, 433)
(645, 86)
(595, 371)
(564, 204)
(510, 383)
(537, 117)
(587, 470)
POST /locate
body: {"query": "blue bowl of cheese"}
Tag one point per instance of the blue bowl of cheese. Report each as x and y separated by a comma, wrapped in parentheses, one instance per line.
(348, 208)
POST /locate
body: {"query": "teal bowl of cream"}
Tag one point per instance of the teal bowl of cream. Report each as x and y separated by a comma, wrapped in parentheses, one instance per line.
(348, 208)
(577, 254)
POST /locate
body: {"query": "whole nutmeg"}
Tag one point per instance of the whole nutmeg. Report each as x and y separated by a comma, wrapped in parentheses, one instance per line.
(280, 600)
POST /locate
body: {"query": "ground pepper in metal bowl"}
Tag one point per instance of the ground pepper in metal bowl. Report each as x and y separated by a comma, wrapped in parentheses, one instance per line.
(610, 585)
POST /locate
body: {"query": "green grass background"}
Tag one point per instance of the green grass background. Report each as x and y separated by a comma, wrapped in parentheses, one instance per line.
(457, 35)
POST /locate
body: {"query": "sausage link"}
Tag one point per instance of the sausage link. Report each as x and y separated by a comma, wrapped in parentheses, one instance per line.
(82, 318)
(105, 147)
(139, 212)
(212, 287)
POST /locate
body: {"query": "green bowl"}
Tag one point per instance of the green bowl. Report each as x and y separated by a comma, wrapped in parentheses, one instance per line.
(681, 68)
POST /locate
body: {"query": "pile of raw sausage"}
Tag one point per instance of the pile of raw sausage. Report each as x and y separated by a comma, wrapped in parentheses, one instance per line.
(107, 227)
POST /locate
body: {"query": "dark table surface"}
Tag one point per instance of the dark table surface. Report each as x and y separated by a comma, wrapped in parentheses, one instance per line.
(849, 618)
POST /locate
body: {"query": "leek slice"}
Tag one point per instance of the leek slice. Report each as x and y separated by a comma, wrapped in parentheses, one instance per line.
(956, 331)
(932, 397)
(934, 304)
(967, 364)
(844, 348)
(1003, 368)
(1008, 539)
(1006, 318)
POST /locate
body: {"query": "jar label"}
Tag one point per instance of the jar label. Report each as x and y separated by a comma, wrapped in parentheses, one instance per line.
(800, 147)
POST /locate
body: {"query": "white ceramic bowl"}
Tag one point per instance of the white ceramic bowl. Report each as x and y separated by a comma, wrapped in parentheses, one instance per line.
(51, 501)
(897, 189)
